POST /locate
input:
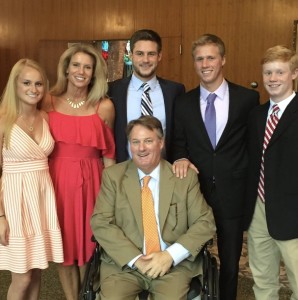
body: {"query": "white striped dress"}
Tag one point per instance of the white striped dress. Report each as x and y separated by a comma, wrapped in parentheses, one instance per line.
(29, 204)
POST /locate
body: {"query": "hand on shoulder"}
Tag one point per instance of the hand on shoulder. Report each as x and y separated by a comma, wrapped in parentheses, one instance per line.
(180, 167)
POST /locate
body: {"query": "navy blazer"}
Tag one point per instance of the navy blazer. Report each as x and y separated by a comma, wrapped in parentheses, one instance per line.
(224, 168)
(118, 93)
(280, 167)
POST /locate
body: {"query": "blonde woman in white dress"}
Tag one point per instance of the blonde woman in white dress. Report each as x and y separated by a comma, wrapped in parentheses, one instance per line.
(30, 235)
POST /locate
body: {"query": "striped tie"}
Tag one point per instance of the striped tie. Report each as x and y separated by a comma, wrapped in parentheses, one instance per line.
(270, 127)
(152, 243)
(146, 103)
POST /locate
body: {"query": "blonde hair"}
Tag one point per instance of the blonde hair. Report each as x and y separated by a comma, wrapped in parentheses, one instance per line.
(98, 85)
(283, 54)
(207, 39)
(9, 106)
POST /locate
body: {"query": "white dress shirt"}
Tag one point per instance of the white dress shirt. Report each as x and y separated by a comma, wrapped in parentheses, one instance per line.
(177, 251)
(221, 104)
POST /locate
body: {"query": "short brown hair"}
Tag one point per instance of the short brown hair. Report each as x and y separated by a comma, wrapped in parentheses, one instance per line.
(148, 122)
(146, 35)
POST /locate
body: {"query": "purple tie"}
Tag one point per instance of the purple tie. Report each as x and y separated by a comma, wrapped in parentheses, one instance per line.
(210, 119)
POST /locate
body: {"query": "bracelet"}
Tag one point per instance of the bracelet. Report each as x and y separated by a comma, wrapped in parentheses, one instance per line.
(2, 216)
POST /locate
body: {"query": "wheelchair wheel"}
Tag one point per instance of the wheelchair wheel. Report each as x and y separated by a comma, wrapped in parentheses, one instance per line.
(91, 278)
(210, 291)
(215, 278)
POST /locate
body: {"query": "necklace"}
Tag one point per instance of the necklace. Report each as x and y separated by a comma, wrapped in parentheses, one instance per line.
(76, 104)
(30, 127)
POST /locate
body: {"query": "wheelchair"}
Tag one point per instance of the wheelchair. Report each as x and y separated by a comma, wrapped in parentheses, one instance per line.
(205, 288)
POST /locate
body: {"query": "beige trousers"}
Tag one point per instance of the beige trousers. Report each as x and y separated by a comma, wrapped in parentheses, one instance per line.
(265, 255)
(127, 285)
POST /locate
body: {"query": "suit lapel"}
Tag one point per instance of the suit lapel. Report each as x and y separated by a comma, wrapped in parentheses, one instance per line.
(288, 116)
(166, 188)
(122, 104)
(167, 99)
(261, 123)
(232, 114)
(132, 187)
(195, 110)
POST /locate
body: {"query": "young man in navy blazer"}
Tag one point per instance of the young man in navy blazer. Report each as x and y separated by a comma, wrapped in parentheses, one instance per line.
(222, 168)
(273, 177)
(126, 93)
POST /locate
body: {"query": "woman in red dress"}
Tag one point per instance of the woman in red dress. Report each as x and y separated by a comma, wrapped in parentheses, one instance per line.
(81, 120)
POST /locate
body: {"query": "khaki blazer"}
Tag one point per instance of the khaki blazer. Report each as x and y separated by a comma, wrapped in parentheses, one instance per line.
(184, 215)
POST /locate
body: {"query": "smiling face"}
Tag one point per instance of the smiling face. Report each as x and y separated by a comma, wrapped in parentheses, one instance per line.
(145, 58)
(208, 65)
(145, 146)
(30, 86)
(278, 79)
(80, 70)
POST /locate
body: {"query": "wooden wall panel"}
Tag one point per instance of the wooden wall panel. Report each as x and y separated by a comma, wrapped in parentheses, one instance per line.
(49, 52)
(114, 19)
(162, 16)
(248, 28)
(170, 65)
(11, 39)
(67, 19)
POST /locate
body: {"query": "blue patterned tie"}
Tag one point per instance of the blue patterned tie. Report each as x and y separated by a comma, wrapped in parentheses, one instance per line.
(210, 119)
(146, 104)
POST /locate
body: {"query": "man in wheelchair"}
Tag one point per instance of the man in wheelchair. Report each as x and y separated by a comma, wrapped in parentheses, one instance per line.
(150, 233)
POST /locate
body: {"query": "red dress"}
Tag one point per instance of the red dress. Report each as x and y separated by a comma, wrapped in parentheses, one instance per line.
(76, 167)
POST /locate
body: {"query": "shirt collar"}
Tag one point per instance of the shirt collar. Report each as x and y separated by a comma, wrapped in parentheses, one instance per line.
(154, 174)
(220, 92)
(137, 83)
(282, 104)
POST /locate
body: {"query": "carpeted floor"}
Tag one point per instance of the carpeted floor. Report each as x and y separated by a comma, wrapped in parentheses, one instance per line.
(51, 288)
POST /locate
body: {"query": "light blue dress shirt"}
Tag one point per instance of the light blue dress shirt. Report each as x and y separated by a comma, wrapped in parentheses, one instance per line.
(134, 97)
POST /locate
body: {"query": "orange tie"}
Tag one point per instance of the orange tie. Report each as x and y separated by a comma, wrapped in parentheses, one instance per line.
(149, 221)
